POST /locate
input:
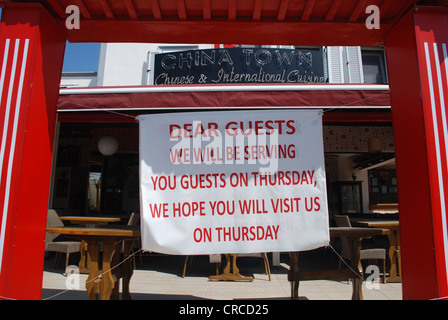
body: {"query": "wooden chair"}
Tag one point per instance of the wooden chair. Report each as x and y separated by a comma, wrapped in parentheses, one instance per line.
(134, 220)
(365, 254)
(59, 247)
(261, 255)
(191, 261)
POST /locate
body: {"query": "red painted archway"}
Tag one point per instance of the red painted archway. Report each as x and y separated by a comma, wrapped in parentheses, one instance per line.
(32, 39)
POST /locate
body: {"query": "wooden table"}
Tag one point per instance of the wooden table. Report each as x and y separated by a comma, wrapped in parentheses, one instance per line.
(84, 261)
(104, 281)
(394, 242)
(89, 220)
(354, 236)
(228, 274)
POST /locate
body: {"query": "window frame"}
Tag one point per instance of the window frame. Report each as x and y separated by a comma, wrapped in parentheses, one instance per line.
(376, 51)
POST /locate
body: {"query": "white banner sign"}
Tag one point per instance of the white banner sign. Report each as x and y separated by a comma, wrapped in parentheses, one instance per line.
(233, 182)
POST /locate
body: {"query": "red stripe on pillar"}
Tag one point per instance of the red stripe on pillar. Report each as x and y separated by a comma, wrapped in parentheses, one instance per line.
(438, 154)
(16, 52)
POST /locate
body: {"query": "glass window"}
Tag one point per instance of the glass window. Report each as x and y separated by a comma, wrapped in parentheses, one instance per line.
(86, 182)
(383, 186)
(374, 66)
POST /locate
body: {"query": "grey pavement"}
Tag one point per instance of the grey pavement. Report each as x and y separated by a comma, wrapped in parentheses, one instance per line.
(159, 277)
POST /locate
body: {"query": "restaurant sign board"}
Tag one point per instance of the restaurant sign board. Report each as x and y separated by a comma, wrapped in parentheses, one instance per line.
(239, 65)
(232, 182)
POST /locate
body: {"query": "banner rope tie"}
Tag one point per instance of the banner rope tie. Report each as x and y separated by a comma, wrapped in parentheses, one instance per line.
(99, 276)
(343, 260)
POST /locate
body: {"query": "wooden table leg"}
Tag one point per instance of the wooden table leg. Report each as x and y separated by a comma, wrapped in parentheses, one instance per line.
(115, 295)
(227, 268)
(122, 268)
(355, 245)
(128, 270)
(84, 261)
(227, 275)
(293, 274)
(91, 282)
(107, 281)
(394, 255)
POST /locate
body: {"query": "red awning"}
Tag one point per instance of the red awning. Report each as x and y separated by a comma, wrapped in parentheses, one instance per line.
(181, 98)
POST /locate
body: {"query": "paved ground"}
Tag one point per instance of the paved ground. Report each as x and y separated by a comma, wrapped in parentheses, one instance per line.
(160, 278)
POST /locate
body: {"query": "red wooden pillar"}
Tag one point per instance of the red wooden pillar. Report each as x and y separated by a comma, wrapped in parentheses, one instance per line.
(418, 70)
(31, 50)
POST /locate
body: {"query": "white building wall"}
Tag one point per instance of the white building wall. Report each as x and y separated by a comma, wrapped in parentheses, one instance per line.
(131, 64)
(79, 79)
(123, 64)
